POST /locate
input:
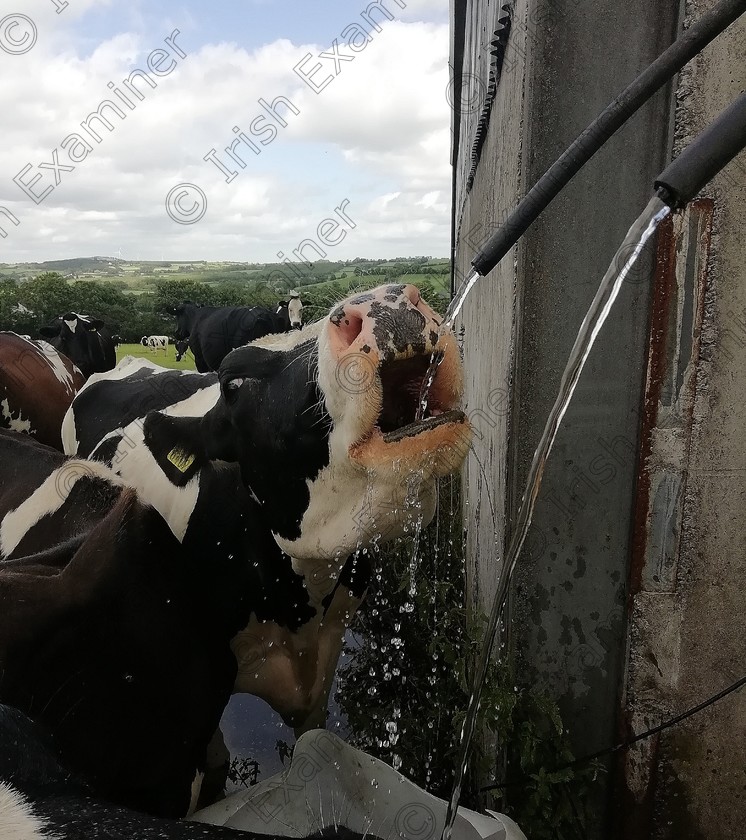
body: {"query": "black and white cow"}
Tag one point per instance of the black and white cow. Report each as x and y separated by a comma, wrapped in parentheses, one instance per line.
(181, 348)
(84, 340)
(113, 636)
(41, 800)
(291, 312)
(293, 458)
(37, 385)
(214, 331)
(155, 342)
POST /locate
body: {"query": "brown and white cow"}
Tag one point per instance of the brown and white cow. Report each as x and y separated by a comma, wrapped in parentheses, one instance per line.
(318, 426)
(37, 385)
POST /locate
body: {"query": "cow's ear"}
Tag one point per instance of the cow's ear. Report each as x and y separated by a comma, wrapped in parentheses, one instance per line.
(94, 324)
(175, 443)
(50, 332)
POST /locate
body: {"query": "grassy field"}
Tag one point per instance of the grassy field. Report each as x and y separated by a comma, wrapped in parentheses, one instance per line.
(168, 361)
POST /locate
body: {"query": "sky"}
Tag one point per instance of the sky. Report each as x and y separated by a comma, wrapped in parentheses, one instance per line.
(359, 136)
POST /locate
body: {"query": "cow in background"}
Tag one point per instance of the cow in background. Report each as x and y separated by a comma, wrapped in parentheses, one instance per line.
(155, 343)
(181, 348)
(291, 312)
(214, 331)
(37, 385)
(84, 340)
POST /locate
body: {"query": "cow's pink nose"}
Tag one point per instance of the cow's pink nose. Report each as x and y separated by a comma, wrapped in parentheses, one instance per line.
(354, 320)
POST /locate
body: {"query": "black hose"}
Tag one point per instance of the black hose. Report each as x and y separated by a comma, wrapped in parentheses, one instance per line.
(603, 127)
(702, 159)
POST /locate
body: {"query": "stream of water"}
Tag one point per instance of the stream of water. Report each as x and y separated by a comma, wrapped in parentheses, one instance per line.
(638, 235)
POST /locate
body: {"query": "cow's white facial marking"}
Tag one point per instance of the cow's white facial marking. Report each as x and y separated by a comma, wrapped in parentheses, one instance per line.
(17, 819)
(295, 310)
(71, 325)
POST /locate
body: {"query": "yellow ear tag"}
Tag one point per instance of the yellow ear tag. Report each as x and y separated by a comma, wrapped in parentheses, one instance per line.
(180, 459)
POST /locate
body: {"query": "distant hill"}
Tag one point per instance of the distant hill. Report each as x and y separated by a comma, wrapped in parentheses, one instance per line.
(138, 276)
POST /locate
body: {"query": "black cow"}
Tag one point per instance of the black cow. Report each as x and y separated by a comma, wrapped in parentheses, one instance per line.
(214, 331)
(324, 452)
(41, 800)
(85, 341)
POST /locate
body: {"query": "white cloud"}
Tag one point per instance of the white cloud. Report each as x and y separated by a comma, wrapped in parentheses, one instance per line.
(378, 136)
(424, 10)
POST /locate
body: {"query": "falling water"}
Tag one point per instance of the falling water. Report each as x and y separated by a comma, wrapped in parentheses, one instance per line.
(451, 314)
(638, 235)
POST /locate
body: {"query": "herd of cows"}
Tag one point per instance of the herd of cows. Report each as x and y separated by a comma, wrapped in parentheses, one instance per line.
(168, 538)
(211, 332)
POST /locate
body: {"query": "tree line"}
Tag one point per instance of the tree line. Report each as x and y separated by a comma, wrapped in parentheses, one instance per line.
(27, 305)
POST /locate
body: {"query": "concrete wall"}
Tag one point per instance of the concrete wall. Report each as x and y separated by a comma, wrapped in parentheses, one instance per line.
(689, 558)
(569, 628)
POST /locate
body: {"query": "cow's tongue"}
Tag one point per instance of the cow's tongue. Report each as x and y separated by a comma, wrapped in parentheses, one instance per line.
(418, 426)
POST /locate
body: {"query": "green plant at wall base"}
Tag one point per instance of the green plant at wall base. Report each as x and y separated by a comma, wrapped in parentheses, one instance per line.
(405, 684)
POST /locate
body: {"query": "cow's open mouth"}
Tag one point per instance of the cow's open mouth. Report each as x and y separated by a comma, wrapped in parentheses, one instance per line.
(397, 433)
(401, 384)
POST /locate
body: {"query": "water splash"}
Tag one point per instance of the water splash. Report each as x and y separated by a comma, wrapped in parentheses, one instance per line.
(637, 236)
(454, 307)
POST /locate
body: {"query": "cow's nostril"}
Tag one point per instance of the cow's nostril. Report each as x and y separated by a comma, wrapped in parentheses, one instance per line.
(350, 326)
(413, 293)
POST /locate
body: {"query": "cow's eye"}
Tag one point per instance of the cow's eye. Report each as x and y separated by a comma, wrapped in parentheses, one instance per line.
(232, 386)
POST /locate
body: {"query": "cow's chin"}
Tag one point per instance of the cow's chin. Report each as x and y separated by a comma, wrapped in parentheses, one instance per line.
(370, 509)
(435, 446)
